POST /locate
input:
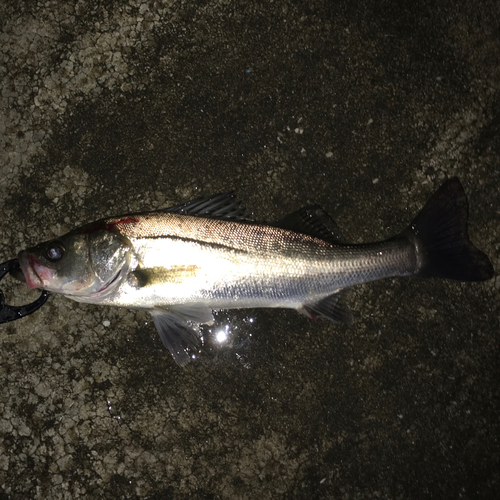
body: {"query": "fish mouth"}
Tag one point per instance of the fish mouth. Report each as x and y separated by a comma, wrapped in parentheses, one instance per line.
(35, 273)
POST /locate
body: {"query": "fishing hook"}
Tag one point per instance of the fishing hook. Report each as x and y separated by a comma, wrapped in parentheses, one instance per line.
(11, 313)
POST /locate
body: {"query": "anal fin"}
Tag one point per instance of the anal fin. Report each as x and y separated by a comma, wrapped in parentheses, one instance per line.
(332, 307)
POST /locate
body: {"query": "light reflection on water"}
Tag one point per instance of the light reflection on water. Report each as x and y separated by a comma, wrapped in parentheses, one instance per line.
(230, 336)
(222, 335)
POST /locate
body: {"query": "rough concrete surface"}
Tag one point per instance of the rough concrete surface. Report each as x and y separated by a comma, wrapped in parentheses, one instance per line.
(363, 107)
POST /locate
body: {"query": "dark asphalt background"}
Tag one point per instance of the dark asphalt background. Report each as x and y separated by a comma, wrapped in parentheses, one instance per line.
(362, 107)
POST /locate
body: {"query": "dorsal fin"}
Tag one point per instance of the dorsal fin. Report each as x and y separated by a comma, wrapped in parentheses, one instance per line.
(217, 206)
(312, 221)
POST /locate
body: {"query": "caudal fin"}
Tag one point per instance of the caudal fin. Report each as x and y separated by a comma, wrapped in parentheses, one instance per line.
(440, 233)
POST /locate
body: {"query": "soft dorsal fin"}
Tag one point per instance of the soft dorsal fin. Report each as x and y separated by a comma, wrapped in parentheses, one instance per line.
(218, 206)
(312, 221)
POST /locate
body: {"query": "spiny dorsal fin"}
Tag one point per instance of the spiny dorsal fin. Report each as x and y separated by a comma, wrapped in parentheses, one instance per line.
(312, 221)
(218, 206)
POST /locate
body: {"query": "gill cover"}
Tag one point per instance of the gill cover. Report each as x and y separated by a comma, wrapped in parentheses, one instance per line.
(109, 255)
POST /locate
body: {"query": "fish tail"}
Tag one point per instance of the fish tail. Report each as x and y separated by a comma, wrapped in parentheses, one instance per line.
(440, 234)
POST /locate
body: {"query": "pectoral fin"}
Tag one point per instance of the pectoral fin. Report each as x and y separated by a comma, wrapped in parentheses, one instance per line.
(177, 327)
(194, 313)
(177, 336)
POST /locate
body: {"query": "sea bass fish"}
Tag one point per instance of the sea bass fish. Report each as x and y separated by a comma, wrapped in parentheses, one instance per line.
(182, 262)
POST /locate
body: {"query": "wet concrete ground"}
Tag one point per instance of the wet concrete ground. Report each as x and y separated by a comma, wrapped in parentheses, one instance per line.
(365, 108)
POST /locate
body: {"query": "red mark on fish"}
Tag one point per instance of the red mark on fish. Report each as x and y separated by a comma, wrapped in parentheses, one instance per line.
(103, 225)
(125, 220)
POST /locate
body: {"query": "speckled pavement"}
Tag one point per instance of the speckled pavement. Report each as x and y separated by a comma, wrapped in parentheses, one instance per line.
(365, 108)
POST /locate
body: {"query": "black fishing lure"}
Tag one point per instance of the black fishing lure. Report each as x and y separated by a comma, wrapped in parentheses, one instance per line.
(11, 313)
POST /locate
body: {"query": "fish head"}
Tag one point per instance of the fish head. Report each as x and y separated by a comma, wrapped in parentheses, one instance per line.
(85, 263)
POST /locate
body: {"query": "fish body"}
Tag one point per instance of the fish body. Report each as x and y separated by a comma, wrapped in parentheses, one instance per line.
(182, 262)
(177, 259)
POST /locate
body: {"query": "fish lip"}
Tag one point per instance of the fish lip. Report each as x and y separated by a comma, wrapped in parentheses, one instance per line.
(29, 267)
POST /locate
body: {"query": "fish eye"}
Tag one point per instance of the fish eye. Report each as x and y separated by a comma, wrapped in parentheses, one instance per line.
(55, 252)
